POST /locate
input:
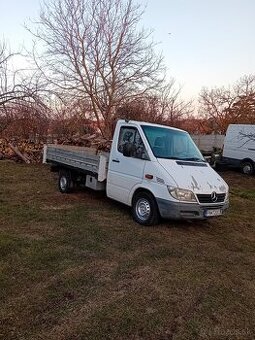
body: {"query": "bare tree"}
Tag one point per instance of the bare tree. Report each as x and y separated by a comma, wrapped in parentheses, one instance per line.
(235, 104)
(164, 107)
(94, 50)
(12, 86)
(71, 117)
(172, 107)
(19, 92)
(243, 109)
(245, 86)
(214, 105)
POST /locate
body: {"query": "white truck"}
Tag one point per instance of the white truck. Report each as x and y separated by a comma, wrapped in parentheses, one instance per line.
(156, 170)
(239, 147)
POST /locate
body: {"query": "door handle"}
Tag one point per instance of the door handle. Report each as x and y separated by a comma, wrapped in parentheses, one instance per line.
(116, 160)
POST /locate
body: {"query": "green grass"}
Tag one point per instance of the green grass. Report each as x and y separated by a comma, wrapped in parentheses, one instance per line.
(248, 193)
(77, 266)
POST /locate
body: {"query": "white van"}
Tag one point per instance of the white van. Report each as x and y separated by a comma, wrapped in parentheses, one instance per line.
(239, 147)
(156, 170)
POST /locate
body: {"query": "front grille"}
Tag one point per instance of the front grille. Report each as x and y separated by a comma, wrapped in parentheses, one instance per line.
(217, 206)
(207, 198)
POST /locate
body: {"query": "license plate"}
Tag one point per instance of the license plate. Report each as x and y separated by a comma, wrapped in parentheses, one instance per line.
(213, 212)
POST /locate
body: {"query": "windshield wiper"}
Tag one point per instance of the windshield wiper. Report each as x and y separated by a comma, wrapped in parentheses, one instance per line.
(195, 159)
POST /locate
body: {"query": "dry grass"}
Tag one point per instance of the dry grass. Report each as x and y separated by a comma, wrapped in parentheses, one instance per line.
(77, 266)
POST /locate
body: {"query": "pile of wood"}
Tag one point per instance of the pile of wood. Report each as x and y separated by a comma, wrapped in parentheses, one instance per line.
(95, 141)
(21, 150)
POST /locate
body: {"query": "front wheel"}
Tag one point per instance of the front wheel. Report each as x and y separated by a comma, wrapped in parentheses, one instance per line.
(145, 209)
(247, 168)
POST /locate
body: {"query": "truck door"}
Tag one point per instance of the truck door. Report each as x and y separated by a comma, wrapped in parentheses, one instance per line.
(125, 172)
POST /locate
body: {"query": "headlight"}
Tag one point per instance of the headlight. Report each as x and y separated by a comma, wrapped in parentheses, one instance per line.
(182, 194)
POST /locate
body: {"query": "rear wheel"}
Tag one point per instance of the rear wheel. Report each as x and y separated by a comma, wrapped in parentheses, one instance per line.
(247, 168)
(145, 209)
(65, 182)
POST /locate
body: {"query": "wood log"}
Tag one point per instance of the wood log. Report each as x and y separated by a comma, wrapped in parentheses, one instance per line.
(18, 149)
(19, 154)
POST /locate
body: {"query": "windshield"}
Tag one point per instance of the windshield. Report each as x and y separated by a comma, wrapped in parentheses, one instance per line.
(170, 143)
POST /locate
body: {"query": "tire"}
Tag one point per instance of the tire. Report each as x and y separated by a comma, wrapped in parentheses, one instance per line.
(65, 182)
(145, 209)
(247, 167)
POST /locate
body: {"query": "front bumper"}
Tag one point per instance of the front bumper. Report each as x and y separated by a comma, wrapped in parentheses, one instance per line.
(180, 210)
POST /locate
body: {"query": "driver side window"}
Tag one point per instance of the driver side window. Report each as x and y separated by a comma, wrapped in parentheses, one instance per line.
(131, 137)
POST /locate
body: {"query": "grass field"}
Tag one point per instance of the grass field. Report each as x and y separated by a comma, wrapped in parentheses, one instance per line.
(77, 267)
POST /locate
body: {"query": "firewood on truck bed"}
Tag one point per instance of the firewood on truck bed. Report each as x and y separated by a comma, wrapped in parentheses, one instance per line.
(24, 150)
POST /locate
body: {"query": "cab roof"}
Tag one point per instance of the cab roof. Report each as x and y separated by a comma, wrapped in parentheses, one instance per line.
(137, 122)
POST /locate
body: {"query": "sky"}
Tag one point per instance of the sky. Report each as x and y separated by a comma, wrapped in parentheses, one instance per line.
(207, 43)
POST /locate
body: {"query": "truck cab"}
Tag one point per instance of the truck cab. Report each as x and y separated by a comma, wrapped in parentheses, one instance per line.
(159, 172)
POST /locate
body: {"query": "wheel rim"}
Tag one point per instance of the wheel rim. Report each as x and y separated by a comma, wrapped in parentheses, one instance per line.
(247, 169)
(143, 209)
(63, 183)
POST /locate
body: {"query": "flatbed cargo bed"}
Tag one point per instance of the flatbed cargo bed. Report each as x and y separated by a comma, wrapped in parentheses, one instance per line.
(83, 159)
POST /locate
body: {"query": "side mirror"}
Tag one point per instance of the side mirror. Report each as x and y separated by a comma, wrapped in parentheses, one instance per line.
(128, 149)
